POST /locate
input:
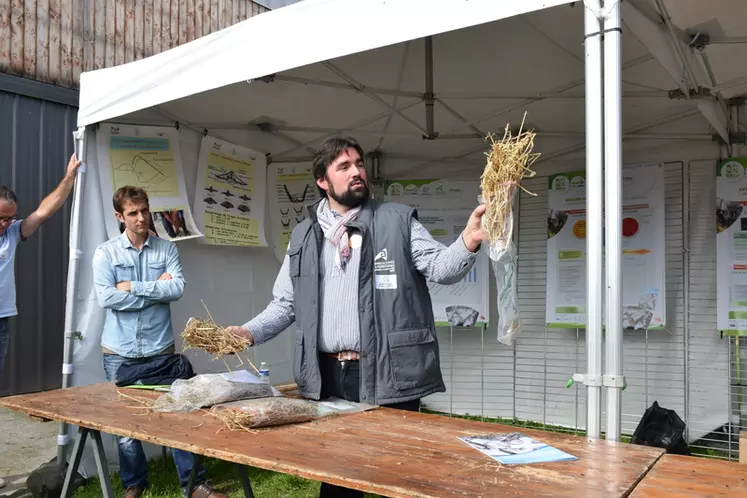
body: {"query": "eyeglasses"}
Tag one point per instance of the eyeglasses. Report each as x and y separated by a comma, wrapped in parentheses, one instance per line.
(7, 219)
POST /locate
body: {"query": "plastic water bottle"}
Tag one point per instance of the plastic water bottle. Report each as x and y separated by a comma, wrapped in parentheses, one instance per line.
(264, 373)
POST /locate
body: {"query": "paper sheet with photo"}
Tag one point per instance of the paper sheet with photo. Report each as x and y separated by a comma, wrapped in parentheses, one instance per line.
(515, 448)
(291, 188)
(444, 206)
(229, 202)
(147, 157)
(643, 249)
(731, 246)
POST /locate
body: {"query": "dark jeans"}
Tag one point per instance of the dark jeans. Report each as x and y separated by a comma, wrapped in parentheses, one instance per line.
(133, 466)
(4, 340)
(342, 380)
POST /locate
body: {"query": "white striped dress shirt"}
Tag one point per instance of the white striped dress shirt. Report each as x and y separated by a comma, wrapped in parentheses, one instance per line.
(340, 327)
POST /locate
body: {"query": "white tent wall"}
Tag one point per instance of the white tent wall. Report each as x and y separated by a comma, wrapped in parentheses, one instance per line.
(235, 284)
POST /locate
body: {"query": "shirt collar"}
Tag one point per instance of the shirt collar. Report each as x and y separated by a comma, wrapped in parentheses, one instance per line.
(326, 210)
(125, 241)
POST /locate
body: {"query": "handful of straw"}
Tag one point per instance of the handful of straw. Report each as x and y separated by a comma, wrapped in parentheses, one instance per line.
(508, 163)
(212, 338)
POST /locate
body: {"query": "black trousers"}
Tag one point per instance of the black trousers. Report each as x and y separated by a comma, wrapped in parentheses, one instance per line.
(342, 380)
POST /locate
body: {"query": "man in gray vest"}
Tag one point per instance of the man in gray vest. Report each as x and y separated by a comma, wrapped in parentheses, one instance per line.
(354, 281)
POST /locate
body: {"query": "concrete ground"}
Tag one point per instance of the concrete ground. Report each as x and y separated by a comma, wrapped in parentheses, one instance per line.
(25, 443)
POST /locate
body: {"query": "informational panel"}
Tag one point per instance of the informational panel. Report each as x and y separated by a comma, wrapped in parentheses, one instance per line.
(444, 206)
(643, 252)
(147, 157)
(291, 188)
(731, 246)
(229, 203)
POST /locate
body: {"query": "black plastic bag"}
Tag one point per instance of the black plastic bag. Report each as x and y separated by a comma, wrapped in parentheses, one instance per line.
(46, 481)
(661, 428)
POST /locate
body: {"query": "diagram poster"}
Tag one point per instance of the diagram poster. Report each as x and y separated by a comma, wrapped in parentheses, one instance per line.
(444, 206)
(731, 246)
(643, 252)
(291, 188)
(147, 157)
(229, 204)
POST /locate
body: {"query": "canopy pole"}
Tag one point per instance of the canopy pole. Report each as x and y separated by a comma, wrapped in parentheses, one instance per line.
(429, 97)
(72, 282)
(613, 379)
(594, 196)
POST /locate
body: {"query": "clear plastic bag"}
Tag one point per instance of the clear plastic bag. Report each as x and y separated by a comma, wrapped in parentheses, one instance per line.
(209, 389)
(502, 253)
(269, 412)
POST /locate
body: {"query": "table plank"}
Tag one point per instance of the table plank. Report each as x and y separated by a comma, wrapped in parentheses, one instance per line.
(388, 452)
(686, 476)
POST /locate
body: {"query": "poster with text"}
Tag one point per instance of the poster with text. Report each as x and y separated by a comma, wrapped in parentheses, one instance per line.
(643, 250)
(291, 188)
(229, 204)
(444, 206)
(146, 157)
(731, 246)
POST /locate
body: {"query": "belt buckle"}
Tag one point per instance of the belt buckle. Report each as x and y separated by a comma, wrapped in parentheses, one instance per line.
(344, 356)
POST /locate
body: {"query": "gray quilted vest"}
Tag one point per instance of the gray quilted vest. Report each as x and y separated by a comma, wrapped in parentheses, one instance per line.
(399, 350)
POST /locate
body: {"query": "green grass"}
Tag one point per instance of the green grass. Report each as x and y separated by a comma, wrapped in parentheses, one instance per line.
(165, 484)
(267, 484)
(224, 477)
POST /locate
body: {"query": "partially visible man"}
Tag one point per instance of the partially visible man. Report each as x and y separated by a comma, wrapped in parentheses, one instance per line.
(136, 277)
(13, 231)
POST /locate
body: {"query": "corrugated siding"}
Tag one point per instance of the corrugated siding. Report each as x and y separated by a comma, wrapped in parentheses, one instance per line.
(35, 145)
(55, 40)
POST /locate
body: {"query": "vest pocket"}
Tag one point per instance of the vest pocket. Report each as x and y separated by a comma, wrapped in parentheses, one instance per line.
(294, 261)
(414, 358)
(298, 355)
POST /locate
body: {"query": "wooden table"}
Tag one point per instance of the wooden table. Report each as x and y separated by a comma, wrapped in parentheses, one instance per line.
(387, 452)
(690, 477)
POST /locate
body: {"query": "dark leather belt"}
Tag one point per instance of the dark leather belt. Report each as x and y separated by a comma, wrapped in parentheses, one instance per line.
(345, 356)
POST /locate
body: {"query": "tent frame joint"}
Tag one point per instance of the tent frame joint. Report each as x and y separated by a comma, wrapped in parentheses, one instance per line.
(700, 92)
(735, 137)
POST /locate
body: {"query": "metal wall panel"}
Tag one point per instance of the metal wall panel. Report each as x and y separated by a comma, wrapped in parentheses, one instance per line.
(35, 145)
(55, 40)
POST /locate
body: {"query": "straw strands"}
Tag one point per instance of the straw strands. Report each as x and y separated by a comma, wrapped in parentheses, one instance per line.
(213, 339)
(508, 162)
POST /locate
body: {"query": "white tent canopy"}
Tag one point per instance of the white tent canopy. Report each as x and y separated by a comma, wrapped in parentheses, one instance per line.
(282, 81)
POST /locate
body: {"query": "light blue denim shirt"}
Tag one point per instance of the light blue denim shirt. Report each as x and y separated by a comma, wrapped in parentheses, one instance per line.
(138, 323)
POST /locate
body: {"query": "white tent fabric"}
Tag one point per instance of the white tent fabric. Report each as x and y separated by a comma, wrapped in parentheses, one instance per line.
(280, 82)
(322, 30)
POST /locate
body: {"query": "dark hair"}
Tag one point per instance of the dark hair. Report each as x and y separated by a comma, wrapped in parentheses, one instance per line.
(328, 152)
(7, 195)
(128, 193)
